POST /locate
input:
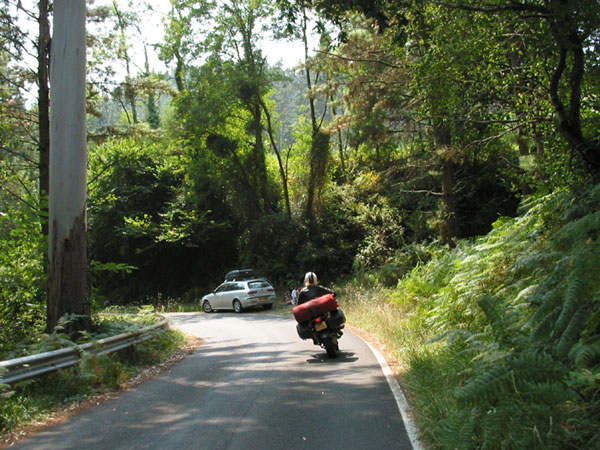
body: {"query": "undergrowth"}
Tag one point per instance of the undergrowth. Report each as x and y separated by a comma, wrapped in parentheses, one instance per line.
(499, 338)
(33, 399)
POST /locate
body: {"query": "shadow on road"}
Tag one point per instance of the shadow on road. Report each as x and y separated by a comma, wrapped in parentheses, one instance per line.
(341, 358)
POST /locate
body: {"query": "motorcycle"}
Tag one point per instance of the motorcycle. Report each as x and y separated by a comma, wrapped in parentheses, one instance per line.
(322, 321)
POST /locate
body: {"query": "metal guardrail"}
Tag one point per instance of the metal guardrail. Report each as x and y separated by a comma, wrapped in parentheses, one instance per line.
(20, 369)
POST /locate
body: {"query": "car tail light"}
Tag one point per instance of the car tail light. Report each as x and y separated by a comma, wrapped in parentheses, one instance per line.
(252, 292)
(271, 290)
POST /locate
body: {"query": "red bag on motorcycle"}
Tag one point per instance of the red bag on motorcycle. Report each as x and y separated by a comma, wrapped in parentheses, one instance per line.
(314, 308)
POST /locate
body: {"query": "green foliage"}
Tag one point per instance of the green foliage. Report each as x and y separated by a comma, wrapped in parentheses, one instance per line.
(167, 220)
(504, 329)
(520, 362)
(22, 280)
(271, 245)
(13, 410)
(564, 300)
(148, 220)
(516, 402)
(586, 353)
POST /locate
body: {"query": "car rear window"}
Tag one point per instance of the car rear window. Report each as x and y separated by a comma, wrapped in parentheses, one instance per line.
(258, 285)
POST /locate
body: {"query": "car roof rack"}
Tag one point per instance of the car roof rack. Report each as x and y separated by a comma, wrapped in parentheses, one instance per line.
(237, 275)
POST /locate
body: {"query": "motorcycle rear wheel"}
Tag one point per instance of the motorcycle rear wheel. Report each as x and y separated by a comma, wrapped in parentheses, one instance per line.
(331, 348)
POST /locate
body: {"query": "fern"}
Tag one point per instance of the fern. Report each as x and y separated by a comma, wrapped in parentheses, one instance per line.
(547, 393)
(586, 353)
(570, 304)
(545, 299)
(490, 306)
(544, 326)
(511, 306)
(496, 419)
(515, 403)
(573, 232)
(449, 432)
(504, 319)
(573, 331)
(535, 366)
(485, 386)
(534, 263)
(450, 336)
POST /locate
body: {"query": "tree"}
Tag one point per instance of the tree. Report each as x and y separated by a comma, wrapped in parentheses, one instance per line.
(237, 35)
(143, 214)
(43, 107)
(120, 87)
(222, 103)
(67, 256)
(180, 42)
(296, 15)
(153, 116)
(124, 20)
(571, 27)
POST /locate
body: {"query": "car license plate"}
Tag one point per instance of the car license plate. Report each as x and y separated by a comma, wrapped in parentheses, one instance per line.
(321, 326)
(263, 299)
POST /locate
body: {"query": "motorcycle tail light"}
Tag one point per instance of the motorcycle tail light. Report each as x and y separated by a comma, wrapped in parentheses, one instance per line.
(318, 320)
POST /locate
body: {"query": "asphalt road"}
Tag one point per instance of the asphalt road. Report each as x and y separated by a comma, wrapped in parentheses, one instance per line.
(253, 384)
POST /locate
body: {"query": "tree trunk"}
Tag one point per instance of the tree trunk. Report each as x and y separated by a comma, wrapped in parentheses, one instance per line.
(259, 151)
(320, 141)
(319, 155)
(523, 151)
(311, 97)
(44, 110)
(442, 141)
(67, 289)
(153, 118)
(129, 83)
(179, 72)
(340, 143)
(569, 115)
(282, 171)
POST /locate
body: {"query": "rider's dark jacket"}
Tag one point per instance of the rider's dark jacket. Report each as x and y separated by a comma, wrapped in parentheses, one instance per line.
(312, 292)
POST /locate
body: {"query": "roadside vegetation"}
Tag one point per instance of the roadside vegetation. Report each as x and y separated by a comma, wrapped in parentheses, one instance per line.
(38, 399)
(498, 338)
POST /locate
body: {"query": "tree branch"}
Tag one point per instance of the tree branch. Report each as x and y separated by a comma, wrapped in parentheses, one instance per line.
(512, 6)
(19, 154)
(364, 60)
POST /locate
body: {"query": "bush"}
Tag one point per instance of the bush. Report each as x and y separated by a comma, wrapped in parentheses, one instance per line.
(22, 278)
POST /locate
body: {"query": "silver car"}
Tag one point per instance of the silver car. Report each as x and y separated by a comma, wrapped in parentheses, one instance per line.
(238, 295)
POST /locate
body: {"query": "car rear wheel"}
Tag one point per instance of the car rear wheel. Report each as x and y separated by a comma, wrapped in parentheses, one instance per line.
(206, 306)
(237, 306)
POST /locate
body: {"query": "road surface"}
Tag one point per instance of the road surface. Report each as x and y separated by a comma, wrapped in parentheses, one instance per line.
(253, 384)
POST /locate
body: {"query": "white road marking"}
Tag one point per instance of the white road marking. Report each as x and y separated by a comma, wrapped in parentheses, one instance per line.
(411, 428)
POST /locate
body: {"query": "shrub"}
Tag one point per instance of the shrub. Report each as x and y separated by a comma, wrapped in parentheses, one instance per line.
(22, 278)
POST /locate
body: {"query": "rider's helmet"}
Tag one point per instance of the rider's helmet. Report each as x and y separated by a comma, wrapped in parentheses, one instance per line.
(310, 279)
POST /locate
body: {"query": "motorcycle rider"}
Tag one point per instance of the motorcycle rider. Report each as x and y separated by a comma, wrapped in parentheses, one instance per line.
(312, 289)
